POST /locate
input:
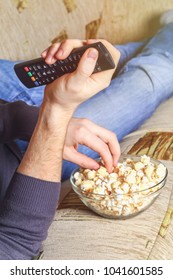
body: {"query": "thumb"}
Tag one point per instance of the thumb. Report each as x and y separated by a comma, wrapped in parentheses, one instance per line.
(86, 66)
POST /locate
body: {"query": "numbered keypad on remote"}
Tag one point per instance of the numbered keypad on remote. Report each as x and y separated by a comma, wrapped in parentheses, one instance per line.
(37, 73)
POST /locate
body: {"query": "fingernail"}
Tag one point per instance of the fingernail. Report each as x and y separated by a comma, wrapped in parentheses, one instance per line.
(60, 52)
(96, 166)
(93, 53)
(49, 58)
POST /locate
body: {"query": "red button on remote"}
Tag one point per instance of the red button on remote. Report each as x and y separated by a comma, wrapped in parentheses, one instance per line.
(26, 69)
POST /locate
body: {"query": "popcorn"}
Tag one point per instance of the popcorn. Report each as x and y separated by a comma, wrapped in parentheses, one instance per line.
(145, 160)
(119, 191)
(102, 171)
(138, 165)
(86, 185)
(78, 182)
(149, 171)
(98, 182)
(160, 170)
(125, 187)
(131, 177)
(78, 176)
(91, 174)
(129, 189)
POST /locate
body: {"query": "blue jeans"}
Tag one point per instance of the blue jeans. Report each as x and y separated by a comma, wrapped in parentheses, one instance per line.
(144, 79)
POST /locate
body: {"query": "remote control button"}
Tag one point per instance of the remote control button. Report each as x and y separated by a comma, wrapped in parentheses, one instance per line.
(29, 74)
(36, 83)
(33, 79)
(70, 58)
(35, 67)
(26, 69)
(74, 57)
(78, 56)
(45, 66)
(48, 72)
(65, 66)
(98, 68)
(39, 74)
(39, 67)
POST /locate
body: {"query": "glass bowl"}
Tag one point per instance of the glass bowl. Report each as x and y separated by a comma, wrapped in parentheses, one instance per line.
(125, 204)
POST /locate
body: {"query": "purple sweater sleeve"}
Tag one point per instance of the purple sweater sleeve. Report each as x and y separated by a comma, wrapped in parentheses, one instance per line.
(17, 121)
(25, 216)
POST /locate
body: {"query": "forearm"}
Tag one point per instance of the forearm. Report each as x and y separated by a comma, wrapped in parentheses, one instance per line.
(33, 193)
(43, 158)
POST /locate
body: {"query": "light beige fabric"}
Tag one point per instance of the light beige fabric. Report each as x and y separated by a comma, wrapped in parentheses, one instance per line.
(29, 26)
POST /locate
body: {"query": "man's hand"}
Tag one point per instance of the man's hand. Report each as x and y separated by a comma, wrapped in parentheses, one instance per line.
(99, 139)
(43, 157)
(74, 88)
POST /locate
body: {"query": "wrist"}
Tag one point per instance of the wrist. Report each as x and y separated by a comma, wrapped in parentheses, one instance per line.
(52, 115)
(43, 158)
(54, 101)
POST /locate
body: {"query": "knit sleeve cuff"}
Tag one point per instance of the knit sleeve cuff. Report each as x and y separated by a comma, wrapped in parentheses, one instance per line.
(33, 194)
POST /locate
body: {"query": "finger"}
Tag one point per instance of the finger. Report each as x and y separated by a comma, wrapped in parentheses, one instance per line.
(80, 159)
(50, 53)
(85, 67)
(97, 144)
(44, 53)
(66, 48)
(60, 50)
(108, 137)
(92, 41)
(115, 55)
(113, 51)
(111, 140)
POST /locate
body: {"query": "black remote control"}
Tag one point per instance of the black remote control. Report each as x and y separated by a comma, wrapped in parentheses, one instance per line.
(37, 72)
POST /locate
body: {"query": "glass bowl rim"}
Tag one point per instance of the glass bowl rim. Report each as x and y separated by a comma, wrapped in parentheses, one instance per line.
(84, 193)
